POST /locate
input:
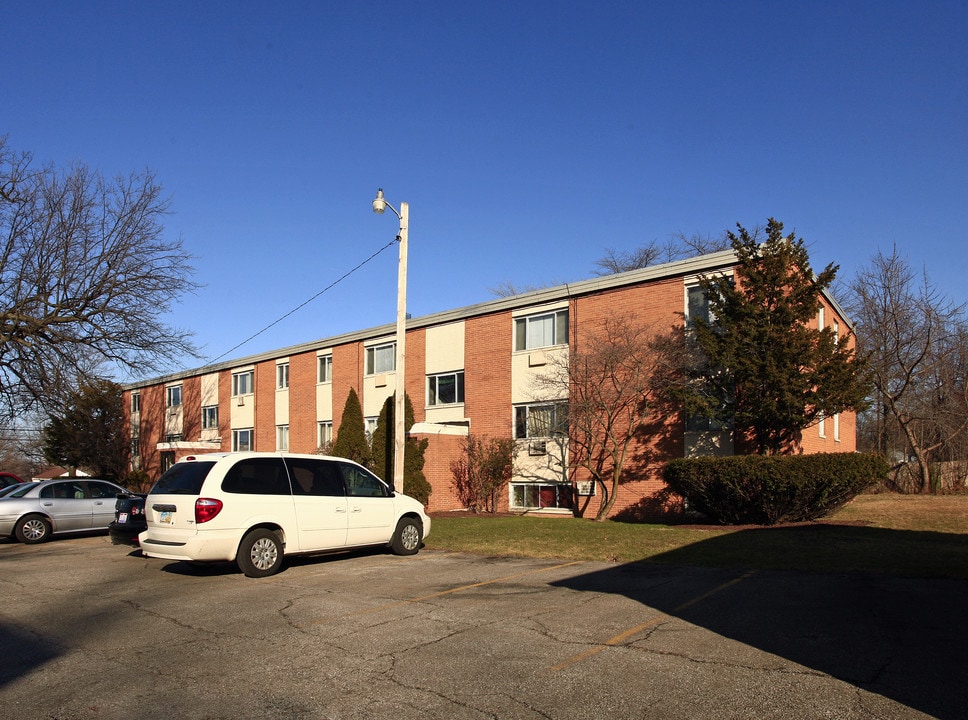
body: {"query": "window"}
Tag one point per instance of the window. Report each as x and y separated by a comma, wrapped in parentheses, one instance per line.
(282, 437)
(210, 417)
(325, 371)
(173, 438)
(282, 376)
(167, 460)
(135, 402)
(538, 331)
(361, 483)
(822, 426)
(540, 421)
(242, 383)
(324, 433)
(257, 476)
(371, 423)
(135, 447)
(837, 428)
(820, 318)
(173, 396)
(697, 304)
(242, 440)
(315, 477)
(381, 358)
(541, 495)
(446, 389)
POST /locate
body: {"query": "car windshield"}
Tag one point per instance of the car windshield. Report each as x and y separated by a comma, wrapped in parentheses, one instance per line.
(184, 478)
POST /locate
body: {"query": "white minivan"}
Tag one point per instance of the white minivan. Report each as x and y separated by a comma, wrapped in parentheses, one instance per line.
(254, 508)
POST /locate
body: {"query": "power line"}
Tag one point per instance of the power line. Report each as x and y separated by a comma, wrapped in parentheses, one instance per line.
(303, 304)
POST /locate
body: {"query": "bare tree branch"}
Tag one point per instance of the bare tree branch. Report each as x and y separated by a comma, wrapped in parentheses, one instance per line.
(86, 278)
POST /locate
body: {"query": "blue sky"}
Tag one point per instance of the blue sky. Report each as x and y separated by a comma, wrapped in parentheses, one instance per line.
(527, 138)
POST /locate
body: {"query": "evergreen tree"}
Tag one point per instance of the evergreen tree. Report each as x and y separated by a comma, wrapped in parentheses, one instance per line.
(90, 432)
(763, 369)
(414, 483)
(351, 442)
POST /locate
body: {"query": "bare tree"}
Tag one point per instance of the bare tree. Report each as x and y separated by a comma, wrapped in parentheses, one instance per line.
(916, 342)
(678, 247)
(610, 380)
(86, 278)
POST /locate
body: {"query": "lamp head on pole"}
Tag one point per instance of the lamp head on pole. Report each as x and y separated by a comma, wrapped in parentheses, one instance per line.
(379, 204)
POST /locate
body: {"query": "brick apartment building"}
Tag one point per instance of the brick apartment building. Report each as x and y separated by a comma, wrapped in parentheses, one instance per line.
(467, 370)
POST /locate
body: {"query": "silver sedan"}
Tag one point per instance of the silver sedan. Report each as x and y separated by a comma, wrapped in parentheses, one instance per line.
(36, 511)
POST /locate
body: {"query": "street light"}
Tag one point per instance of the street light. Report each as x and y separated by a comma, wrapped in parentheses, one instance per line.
(399, 439)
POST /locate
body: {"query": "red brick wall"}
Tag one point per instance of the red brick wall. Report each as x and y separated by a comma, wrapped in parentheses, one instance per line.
(192, 408)
(302, 402)
(265, 407)
(659, 306)
(347, 372)
(225, 409)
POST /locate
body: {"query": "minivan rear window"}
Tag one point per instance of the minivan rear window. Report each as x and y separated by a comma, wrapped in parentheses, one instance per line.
(184, 478)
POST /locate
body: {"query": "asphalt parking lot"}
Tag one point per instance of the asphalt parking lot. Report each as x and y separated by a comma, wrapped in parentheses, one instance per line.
(94, 630)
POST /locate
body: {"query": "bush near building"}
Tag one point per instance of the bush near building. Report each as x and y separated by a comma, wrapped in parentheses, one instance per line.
(771, 489)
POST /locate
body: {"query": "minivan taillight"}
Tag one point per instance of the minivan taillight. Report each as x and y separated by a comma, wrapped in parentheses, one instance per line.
(206, 509)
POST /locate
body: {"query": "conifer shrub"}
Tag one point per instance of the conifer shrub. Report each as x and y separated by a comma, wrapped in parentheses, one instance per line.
(771, 489)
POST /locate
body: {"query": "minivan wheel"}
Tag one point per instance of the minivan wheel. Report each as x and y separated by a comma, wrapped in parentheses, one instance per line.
(260, 553)
(32, 529)
(406, 539)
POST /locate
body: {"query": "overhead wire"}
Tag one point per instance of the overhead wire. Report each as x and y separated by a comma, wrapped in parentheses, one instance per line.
(303, 304)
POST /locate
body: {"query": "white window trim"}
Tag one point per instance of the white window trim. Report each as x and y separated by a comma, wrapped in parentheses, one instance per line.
(236, 375)
(458, 386)
(319, 366)
(370, 351)
(169, 392)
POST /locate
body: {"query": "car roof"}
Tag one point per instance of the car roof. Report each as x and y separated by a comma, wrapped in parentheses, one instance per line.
(216, 456)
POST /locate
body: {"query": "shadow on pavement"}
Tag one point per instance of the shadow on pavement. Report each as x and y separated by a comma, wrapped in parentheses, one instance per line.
(905, 638)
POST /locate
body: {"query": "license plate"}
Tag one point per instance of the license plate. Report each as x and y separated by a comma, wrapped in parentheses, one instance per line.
(165, 517)
(122, 518)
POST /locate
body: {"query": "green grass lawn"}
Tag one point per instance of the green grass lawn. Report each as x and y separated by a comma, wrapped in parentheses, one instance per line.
(894, 534)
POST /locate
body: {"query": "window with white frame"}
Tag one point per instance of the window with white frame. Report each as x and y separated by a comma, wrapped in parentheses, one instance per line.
(282, 437)
(210, 417)
(538, 331)
(282, 376)
(135, 402)
(822, 426)
(541, 420)
(324, 372)
(242, 383)
(173, 396)
(697, 304)
(135, 447)
(371, 423)
(538, 496)
(242, 440)
(837, 427)
(324, 433)
(446, 388)
(381, 358)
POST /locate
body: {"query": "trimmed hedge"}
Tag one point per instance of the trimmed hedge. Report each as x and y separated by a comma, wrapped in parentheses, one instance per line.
(771, 489)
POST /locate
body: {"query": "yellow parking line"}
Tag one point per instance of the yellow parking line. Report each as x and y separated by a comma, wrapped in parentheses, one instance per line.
(450, 591)
(631, 632)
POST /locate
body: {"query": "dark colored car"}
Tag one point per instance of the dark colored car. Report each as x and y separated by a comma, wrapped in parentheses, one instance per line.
(129, 519)
(7, 479)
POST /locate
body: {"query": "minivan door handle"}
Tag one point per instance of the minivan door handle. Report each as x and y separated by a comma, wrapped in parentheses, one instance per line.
(341, 508)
